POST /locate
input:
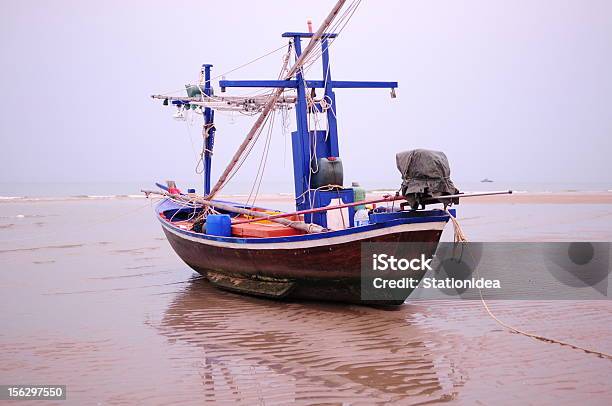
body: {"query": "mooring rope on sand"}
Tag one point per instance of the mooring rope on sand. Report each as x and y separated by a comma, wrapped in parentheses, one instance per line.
(460, 237)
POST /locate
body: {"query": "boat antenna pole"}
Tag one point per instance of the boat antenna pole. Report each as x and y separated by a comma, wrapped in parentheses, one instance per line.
(274, 98)
(208, 131)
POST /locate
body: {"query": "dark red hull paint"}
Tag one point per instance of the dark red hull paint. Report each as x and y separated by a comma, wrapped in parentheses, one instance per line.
(329, 272)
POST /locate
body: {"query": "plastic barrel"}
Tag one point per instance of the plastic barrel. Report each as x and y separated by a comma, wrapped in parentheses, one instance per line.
(359, 194)
(329, 173)
(219, 224)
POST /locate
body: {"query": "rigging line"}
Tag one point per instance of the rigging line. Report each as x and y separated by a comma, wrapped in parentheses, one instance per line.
(276, 95)
(315, 108)
(330, 104)
(246, 64)
(269, 140)
(284, 111)
(266, 92)
(257, 93)
(257, 175)
(286, 126)
(195, 154)
(248, 150)
(316, 123)
(184, 205)
(200, 82)
(239, 164)
(315, 39)
(262, 163)
(352, 6)
(344, 22)
(313, 153)
(332, 40)
(331, 29)
(310, 104)
(286, 58)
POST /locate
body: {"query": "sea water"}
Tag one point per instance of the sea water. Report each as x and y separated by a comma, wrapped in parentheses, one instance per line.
(110, 189)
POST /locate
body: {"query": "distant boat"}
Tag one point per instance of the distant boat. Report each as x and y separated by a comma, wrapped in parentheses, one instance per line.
(486, 180)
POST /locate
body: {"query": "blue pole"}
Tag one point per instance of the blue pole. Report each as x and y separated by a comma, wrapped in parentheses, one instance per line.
(209, 118)
(302, 168)
(332, 123)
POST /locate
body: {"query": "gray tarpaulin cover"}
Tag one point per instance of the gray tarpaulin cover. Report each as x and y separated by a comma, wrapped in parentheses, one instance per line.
(425, 174)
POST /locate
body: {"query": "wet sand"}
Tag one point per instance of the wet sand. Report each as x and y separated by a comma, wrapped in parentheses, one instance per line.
(93, 297)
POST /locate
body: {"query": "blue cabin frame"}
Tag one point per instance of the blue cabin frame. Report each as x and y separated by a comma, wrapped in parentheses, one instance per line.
(306, 143)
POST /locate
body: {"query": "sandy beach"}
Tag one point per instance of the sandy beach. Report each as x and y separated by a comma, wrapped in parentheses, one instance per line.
(95, 298)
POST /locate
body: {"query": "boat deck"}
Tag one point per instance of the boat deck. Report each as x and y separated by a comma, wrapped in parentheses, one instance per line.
(181, 220)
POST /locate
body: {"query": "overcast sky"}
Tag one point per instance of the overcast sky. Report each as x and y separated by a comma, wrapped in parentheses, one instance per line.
(510, 90)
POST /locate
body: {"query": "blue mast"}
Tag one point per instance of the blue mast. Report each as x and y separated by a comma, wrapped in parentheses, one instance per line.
(209, 130)
(308, 143)
(332, 123)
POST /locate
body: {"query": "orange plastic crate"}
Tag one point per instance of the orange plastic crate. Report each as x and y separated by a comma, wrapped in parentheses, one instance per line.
(263, 230)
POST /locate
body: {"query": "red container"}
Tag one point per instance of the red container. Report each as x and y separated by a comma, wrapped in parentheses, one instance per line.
(263, 230)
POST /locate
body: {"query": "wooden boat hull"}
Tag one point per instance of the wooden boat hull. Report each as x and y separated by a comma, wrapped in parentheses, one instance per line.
(326, 268)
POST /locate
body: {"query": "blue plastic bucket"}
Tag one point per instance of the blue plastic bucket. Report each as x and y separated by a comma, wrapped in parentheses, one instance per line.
(219, 224)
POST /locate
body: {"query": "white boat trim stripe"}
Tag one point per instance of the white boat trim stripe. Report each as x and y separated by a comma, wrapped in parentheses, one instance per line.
(401, 228)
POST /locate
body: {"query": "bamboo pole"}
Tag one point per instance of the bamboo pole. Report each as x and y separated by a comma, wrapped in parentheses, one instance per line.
(360, 203)
(224, 99)
(298, 225)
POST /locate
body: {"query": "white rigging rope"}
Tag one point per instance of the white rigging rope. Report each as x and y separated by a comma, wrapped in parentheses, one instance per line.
(323, 103)
(264, 158)
(269, 106)
(258, 179)
(234, 69)
(342, 22)
(264, 102)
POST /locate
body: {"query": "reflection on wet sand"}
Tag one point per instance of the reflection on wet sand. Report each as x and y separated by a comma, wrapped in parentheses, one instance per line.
(258, 350)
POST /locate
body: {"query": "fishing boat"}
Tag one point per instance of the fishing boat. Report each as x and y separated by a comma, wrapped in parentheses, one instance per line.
(315, 251)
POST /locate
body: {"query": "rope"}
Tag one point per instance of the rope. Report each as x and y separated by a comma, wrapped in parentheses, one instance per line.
(262, 164)
(539, 337)
(201, 81)
(458, 232)
(343, 21)
(461, 238)
(266, 149)
(324, 188)
(206, 128)
(270, 104)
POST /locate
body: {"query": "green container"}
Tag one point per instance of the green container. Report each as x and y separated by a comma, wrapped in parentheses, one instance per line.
(359, 195)
(193, 90)
(329, 173)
